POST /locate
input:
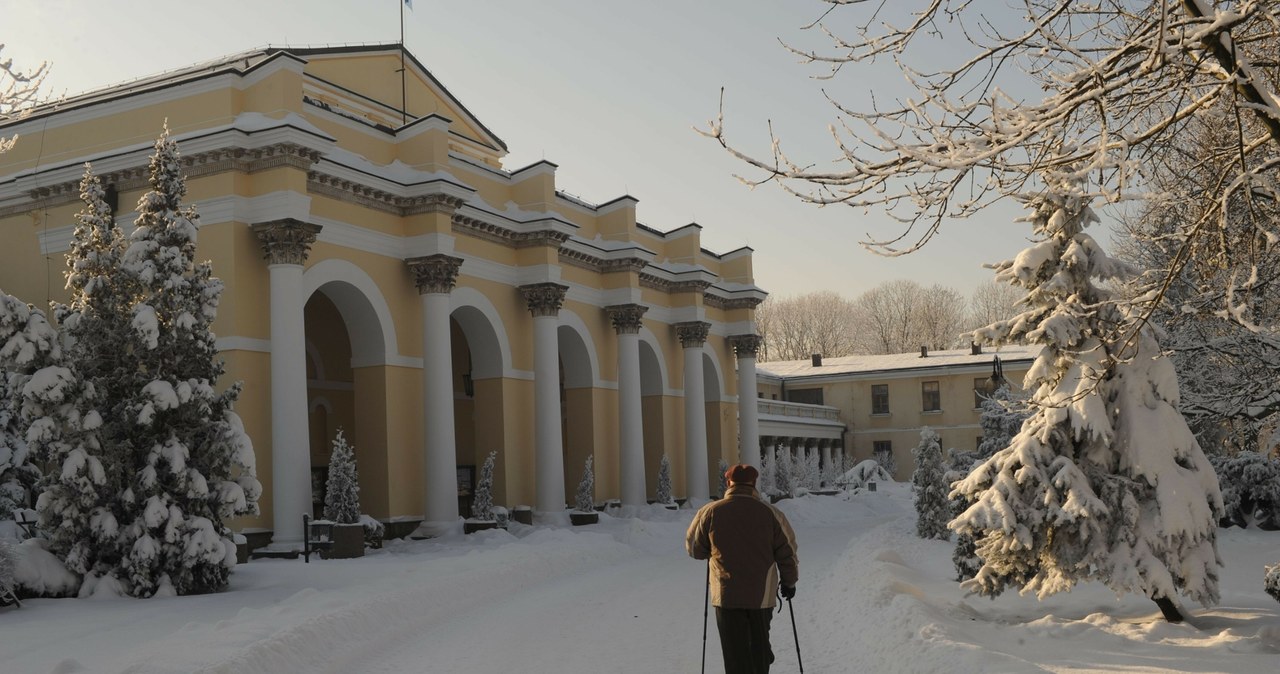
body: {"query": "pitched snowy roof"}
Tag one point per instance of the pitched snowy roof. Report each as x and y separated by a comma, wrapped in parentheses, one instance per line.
(895, 362)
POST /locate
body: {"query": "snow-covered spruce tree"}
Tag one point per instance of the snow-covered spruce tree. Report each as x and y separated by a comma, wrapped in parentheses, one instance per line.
(663, 493)
(1002, 415)
(482, 504)
(192, 466)
(1250, 484)
(584, 500)
(933, 511)
(1104, 481)
(766, 484)
(342, 489)
(61, 431)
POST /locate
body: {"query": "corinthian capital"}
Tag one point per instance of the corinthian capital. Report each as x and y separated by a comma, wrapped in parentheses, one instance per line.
(692, 334)
(434, 273)
(544, 299)
(286, 241)
(626, 317)
(745, 346)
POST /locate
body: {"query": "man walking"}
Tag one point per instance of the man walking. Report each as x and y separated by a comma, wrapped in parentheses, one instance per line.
(751, 547)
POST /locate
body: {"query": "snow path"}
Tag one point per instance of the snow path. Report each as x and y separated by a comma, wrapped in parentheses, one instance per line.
(642, 614)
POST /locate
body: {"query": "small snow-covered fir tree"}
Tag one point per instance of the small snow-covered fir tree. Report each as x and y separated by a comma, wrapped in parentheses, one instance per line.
(342, 489)
(885, 458)
(663, 494)
(482, 504)
(933, 510)
(585, 499)
(193, 466)
(1250, 484)
(812, 470)
(1104, 481)
(723, 467)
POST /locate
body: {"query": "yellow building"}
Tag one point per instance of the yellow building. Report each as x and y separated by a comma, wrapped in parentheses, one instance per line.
(387, 275)
(864, 405)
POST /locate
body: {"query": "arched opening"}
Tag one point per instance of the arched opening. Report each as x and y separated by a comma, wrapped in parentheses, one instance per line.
(580, 422)
(721, 423)
(479, 419)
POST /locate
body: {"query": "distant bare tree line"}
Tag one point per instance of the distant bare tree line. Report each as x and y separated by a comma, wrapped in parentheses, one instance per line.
(894, 317)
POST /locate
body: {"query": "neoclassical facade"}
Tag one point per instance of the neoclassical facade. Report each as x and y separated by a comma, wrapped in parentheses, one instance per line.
(386, 274)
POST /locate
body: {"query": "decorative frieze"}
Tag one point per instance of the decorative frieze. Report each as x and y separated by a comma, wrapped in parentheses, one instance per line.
(692, 334)
(506, 236)
(544, 299)
(286, 241)
(626, 318)
(434, 273)
(666, 286)
(746, 346)
(601, 265)
(196, 165)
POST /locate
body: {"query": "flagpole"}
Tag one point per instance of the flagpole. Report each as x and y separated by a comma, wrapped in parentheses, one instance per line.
(404, 104)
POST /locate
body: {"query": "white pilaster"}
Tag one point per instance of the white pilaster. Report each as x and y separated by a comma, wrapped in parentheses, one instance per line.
(746, 347)
(286, 243)
(626, 321)
(434, 276)
(544, 300)
(692, 337)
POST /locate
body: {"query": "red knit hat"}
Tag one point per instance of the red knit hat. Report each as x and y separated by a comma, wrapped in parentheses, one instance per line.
(742, 474)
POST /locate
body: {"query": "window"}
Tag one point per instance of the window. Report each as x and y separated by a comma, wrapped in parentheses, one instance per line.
(979, 387)
(879, 398)
(931, 396)
(809, 396)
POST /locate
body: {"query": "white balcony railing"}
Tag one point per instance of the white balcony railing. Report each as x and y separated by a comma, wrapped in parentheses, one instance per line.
(801, 410)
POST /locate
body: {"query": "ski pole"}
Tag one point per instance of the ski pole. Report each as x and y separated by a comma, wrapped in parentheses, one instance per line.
(705, 607)
(795, 634)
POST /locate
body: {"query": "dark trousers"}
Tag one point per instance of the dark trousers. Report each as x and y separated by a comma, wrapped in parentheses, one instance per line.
(744, 639)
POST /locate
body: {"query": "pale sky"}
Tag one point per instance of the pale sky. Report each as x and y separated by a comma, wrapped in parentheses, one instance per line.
(609, 90)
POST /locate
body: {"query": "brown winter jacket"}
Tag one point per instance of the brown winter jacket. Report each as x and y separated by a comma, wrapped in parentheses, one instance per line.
(750, 543)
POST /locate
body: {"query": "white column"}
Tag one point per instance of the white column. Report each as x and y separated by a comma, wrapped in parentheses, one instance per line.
(826, 452)
(434, 276)
(544, 300)
(746, 347)
(286, 243)
(626, 321)
(693, 336)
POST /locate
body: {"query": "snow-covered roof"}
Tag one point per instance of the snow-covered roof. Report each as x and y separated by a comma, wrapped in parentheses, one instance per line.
(858, 365)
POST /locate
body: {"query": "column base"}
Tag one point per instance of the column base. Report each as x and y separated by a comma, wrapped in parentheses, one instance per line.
(437, 529)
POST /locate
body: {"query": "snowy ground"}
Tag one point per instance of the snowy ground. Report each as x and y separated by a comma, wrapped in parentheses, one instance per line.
(623, 597)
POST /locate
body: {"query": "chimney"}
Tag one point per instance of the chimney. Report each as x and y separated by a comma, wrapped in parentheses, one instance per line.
(817, 359)
(924, 352)
(975, 349)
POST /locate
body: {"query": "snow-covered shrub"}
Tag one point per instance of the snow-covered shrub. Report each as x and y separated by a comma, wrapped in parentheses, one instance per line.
(1250, 485)
(1272, 581)
(812, 470)
(723, 482)
(783, 480)
(342, 489)
(933, 511)
(40, 573)
(585, 499)
(1104, 481)
(18, 475)
(885, 458)
(863, 472)
(663, 494)
(8, 561)
(482, 504)
(766, 484)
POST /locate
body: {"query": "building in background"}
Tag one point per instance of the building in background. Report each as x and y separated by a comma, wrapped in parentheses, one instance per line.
(386, 274)
(878, 404)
